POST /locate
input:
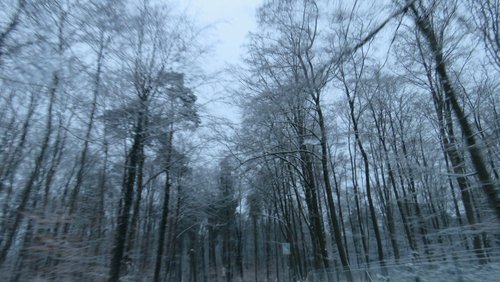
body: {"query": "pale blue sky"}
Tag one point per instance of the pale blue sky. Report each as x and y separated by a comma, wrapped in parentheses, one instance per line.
(232, 19)
(230, 22)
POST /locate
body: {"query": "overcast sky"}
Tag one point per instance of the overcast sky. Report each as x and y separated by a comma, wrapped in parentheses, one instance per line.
(232, 20)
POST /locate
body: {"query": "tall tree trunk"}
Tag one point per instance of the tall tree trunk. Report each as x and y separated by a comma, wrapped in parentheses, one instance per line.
(165, 209)
(386, 190)
(422, 226)
(12, 161)
(133, 159)
(442, 107)
(255, 248)
(86, 141)
(357, 202)
(137, 204)
(473, 147)
(30, 183)
(402, 202)
(318, 240)
(369, 195)
(316, 223)
(329, 192)
(100, 217)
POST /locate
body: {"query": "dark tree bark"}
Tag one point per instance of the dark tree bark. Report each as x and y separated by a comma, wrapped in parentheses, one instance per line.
(385, 193)
(473, 147)
(165, 208)
(366, 164)
(329, 192)
(82, 161)
(132, 163)
(35, 173)
(452, 153)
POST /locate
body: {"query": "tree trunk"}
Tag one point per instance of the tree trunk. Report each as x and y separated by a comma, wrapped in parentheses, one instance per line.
(452, 153)
(165, 209)
(329, 193)
(424, 25)
(30, 183)
(90, 125)
(371, 206)
(126, 204)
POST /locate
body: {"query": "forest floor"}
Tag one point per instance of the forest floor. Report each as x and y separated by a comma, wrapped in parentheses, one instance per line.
(435, 272)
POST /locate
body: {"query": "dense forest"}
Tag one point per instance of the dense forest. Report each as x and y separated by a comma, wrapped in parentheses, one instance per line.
(367, 146)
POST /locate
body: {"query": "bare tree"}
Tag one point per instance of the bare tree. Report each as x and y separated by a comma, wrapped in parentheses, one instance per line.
(422, 15)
